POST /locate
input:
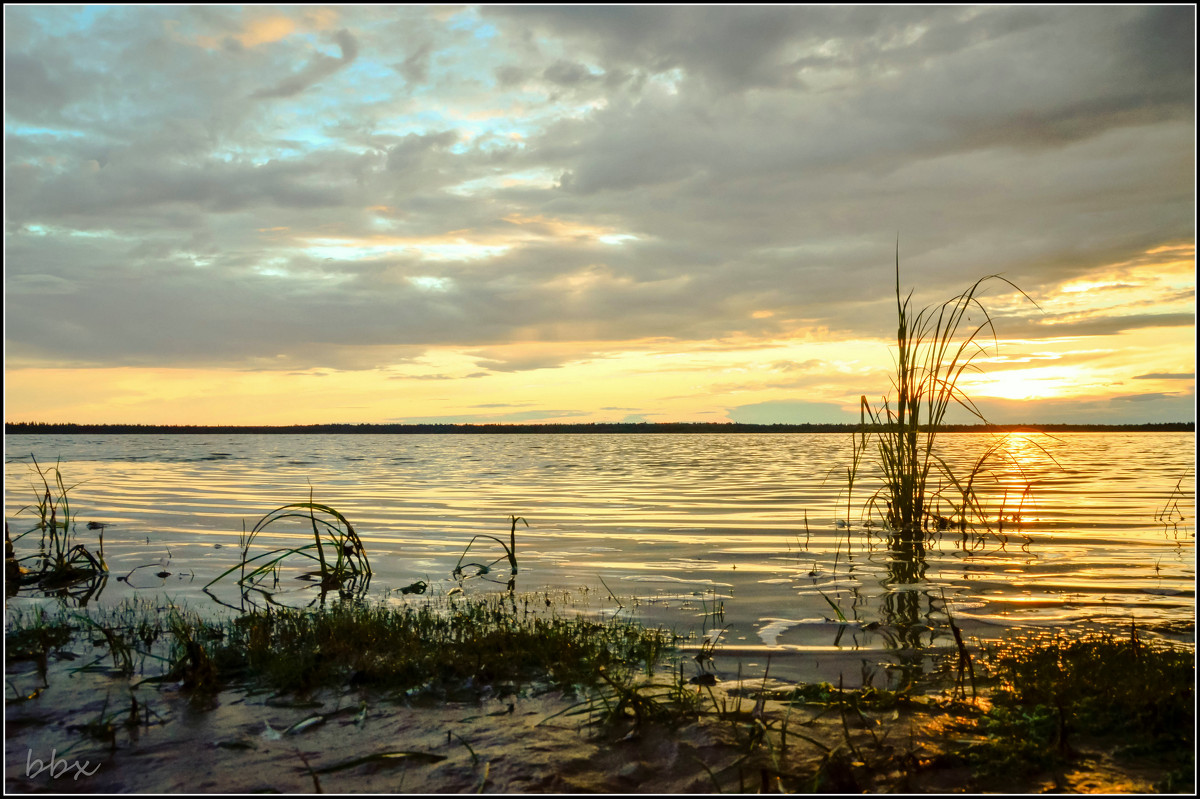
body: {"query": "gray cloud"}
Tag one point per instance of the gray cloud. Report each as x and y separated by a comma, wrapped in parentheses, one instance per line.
(415, 67)
(317, 69)
(491, 418)
(790, 411)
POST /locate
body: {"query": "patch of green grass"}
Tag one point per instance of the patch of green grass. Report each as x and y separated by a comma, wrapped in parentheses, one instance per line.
(1052, 694)
(465, 643)
(448, 647)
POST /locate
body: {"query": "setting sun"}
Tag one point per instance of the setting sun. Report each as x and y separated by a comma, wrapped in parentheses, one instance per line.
(1023, 384)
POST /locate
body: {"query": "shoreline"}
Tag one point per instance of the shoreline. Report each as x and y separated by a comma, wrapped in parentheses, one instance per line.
(96, 728)
(47, 428)
(529, 744)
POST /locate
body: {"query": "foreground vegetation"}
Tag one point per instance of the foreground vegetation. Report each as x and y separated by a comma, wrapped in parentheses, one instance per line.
(436, 647)
(58, 560)
(934, 347)
(1053, 697)
(1041, 704)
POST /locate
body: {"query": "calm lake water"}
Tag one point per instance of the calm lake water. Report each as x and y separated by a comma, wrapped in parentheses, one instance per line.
(741, 535)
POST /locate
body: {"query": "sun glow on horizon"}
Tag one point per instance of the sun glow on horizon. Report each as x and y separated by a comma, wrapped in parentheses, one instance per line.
(1023, 384)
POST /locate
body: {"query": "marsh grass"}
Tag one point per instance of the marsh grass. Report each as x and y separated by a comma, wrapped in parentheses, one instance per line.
(1054, 694)
(336, 551)
(934, 348)
(439, 648)
(59, 561)
(483, 569)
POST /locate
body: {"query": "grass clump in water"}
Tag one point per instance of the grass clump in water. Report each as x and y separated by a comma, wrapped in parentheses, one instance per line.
(443, 650)
(447, 648)
(336, 552)
(932, 353)
(59, 560)
(482, 569)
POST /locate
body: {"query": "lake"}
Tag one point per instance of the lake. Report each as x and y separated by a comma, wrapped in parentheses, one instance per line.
(748, 538)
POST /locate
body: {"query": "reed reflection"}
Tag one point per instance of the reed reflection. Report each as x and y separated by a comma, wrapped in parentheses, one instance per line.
(901, 609)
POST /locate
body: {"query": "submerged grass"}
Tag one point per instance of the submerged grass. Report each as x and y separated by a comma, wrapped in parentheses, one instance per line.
(336, 551)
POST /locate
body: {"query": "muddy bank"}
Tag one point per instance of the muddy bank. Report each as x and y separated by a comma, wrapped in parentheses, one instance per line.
(157, 740)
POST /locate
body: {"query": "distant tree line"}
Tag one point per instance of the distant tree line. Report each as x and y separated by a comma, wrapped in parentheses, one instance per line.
(592, 427)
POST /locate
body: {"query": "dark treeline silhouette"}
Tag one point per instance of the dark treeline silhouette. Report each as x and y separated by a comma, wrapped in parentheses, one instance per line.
(597, 427)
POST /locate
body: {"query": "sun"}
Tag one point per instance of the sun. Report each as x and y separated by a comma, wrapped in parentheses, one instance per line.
(1018, 384)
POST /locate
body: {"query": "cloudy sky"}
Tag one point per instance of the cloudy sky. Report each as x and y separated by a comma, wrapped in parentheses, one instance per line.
(294, 215)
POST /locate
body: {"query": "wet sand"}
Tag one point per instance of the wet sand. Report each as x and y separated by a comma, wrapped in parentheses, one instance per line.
(240, 743)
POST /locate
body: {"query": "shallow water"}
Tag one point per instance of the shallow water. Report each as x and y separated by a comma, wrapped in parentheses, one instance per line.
(751, 536)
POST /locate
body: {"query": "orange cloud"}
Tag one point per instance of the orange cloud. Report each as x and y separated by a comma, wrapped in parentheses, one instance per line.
(266, 30)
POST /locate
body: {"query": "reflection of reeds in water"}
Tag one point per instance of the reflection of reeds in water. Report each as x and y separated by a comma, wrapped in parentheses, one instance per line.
(934, 347)
(1170, 516)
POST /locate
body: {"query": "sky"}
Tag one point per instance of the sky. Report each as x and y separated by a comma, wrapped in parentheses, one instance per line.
(303, 214)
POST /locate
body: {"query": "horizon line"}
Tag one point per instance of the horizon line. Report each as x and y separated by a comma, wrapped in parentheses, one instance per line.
(399, 427)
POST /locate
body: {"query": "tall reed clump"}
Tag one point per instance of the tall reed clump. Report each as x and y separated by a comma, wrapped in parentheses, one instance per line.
(59, 559)
(934, 347)
(336, 550)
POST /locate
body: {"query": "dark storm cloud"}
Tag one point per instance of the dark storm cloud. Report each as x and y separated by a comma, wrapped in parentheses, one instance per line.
(764, 157)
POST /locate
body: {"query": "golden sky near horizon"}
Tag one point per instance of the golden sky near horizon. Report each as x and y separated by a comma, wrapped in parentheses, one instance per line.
(270, 215)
